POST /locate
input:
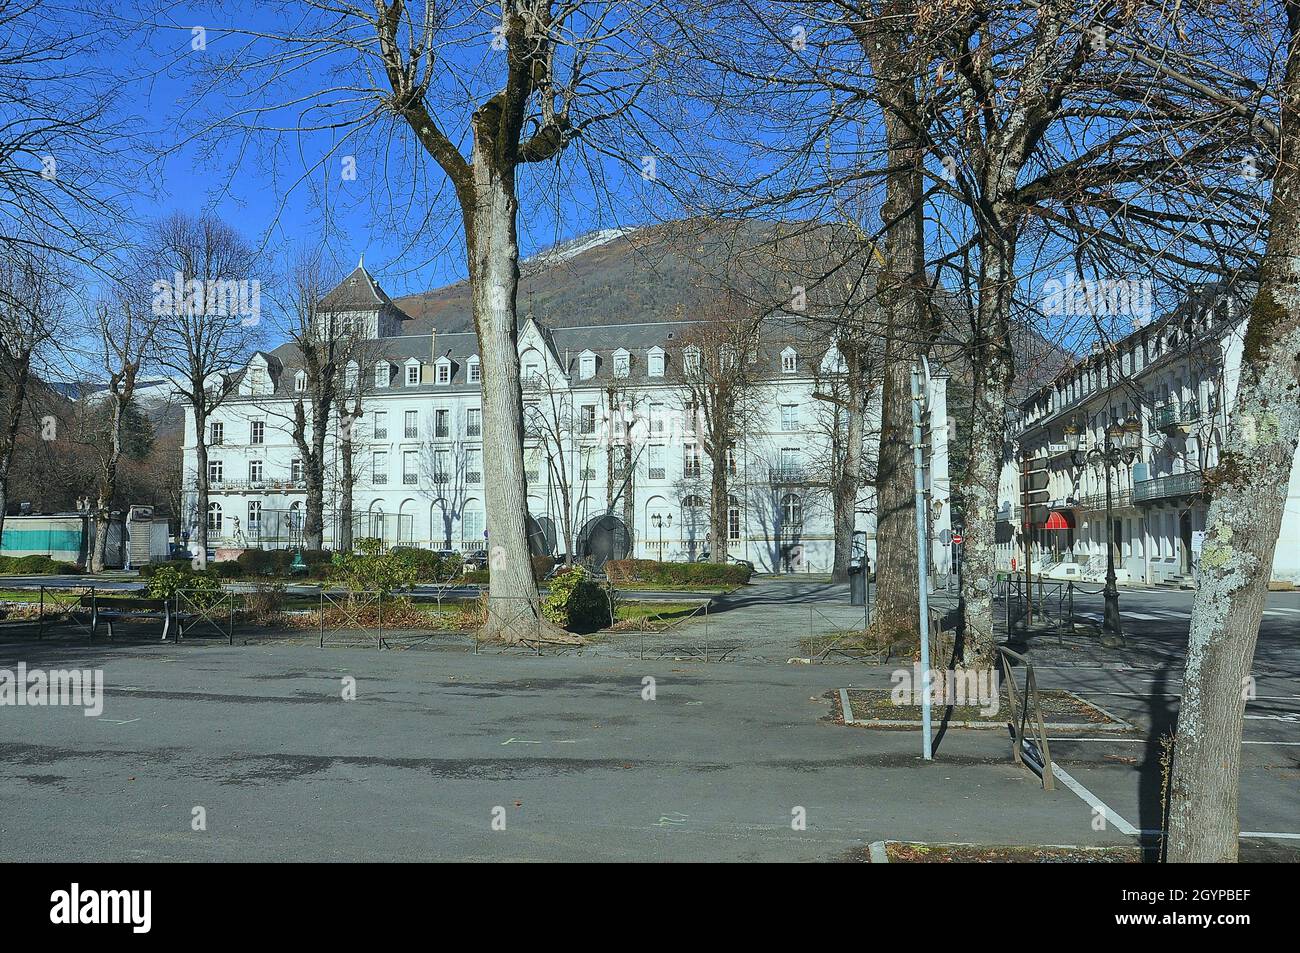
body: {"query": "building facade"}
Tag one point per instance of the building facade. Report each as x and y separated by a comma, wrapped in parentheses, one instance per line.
(1172, 381)
(613, 461)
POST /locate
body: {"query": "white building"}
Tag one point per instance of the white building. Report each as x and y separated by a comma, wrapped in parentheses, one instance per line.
(419, 474)
(1176, 379)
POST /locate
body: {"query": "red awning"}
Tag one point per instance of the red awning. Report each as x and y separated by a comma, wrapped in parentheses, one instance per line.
(1059, 520)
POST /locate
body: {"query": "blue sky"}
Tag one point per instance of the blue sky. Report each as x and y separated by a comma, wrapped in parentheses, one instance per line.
(252, 183)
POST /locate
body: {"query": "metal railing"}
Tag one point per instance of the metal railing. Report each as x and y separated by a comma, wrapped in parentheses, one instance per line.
(1189, 483)
(1024, 751)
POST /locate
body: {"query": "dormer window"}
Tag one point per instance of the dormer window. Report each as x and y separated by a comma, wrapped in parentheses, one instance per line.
(691, 359)
(475, 371)
(655, 362)
(381, 374)
(351, 375)
(442, 371)
(622, 363)
(789, 360)
(586, 365)
(412, 373)
(300, 382)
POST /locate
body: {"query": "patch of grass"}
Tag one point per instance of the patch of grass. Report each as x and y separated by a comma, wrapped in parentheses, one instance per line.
(650, 612)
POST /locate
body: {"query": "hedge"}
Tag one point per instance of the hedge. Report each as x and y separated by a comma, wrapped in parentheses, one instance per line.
(36, 565)
(677, 574)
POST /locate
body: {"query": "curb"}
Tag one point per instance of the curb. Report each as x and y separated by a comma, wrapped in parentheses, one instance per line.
(878, 853)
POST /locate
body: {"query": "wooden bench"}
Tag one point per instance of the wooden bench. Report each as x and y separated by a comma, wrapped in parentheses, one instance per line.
(109, 608)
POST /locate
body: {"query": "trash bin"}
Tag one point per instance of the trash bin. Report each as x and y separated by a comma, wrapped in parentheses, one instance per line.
(857, 583)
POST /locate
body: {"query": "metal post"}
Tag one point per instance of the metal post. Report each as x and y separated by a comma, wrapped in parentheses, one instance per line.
(1112, 630)
(922, 583)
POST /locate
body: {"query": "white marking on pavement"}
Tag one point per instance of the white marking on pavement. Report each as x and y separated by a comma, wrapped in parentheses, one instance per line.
(519, 741)
(1096, 803)
(1273, 834)
(1140, 616)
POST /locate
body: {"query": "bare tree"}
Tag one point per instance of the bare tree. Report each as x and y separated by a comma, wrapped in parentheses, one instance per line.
(1250, 482)
(565, 435)
(845, 387)
(485, 91)
(32, 302)
(65, 153)
(718, 389)
(326, 345)
(126, 332)
(196, 265)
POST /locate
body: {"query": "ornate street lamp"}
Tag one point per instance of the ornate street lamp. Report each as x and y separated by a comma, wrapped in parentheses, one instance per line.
(659, 522)
(1120, 443)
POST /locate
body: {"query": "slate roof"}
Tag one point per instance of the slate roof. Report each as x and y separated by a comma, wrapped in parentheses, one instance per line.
(357, 292)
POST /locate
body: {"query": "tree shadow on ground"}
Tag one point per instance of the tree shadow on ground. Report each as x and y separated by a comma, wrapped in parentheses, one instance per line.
(1153, 796)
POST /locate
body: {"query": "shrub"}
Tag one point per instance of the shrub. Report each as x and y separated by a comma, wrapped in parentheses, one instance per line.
(578, 602)
(148, 569)
(428, 565)
(370, 569)
(479, 577)
(202, 588)
(677, 574)
(36, 565)
(228, 569)
(257, 562)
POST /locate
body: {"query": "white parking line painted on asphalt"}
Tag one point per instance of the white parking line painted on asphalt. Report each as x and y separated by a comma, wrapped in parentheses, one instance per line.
(1096, 803)
(1275, 835)
(1170, 614)
(1140, 616)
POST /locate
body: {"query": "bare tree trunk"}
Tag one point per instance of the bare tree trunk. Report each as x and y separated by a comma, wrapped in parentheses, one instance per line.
(343, 518)
(994, 366)
(718, 506)
(896, 582)
(201, 481)
(845, 489)
(13, 417)
(514, 610)
(900, 290)
(107, 488)
(1244, 521)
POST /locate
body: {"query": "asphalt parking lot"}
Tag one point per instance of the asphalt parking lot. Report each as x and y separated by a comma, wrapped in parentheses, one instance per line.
(575, 758)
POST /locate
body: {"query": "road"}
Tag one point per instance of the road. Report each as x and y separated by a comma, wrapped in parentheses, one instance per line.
(575, 757)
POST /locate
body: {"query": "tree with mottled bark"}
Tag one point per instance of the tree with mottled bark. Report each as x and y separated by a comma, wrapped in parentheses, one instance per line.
(1245, 516)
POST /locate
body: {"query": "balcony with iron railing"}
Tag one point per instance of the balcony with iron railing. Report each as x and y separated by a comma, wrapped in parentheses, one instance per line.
(257, 486)
(1174, 416)
(410, 479)
(790, 474)
(473, 430)
(1169, 486)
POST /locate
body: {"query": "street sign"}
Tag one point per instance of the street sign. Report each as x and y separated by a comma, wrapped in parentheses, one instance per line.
(945, 538)
(957, 539)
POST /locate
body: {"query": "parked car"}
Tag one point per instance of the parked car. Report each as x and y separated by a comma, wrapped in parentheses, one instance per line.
(704, 557)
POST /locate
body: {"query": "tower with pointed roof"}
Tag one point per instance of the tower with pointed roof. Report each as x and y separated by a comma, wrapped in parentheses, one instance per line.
(358, 300)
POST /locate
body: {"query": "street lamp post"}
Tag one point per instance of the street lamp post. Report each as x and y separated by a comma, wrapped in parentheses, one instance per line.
(659, 522)
(1119, 445)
